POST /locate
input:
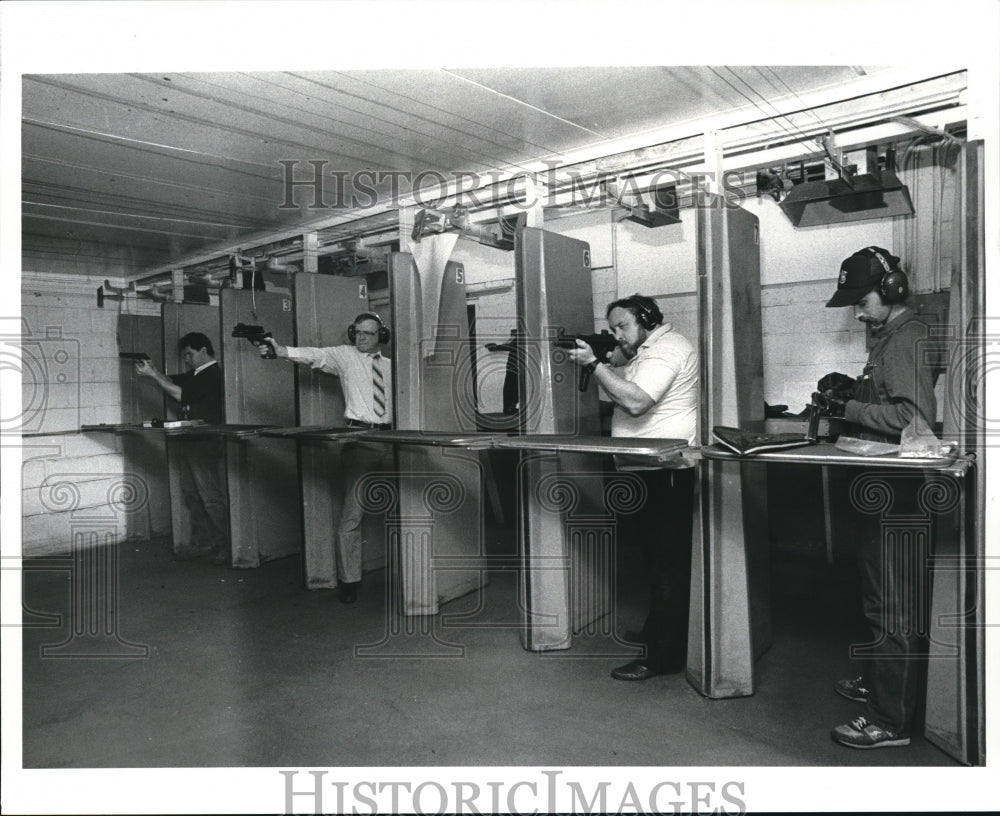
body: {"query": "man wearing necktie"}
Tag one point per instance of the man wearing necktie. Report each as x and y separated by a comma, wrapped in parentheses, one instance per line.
(366, 380)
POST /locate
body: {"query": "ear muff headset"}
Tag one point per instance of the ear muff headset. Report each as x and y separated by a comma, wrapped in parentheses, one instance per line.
(894, 287)
(383, 330)
(647, 312)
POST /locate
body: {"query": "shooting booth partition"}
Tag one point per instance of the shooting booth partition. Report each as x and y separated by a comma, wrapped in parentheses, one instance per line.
(262, 473)
(436, 518)
(730, 623)
(565, 532)
(144, 454)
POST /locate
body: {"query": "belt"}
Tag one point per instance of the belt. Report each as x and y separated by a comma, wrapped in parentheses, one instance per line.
(376, 426)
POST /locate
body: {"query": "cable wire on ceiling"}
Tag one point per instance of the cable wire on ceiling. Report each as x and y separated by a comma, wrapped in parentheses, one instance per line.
(774, 117)
(788, 88)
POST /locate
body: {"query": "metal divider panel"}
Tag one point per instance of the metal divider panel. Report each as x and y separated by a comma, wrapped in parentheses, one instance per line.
(325, 305)
(258, 391)
(554, 294)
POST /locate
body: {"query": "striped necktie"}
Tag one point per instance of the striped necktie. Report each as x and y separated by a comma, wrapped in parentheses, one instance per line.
(378, 387)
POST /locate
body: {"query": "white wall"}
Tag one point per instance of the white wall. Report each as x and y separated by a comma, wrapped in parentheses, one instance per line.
(496, 315)
(68, 357)
(803, 340)
(489, 276)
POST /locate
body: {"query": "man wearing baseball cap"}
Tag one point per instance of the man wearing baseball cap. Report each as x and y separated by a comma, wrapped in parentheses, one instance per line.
(895, 387)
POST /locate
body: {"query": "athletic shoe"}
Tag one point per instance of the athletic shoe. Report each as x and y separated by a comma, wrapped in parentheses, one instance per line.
(861, 733)
(853, 689)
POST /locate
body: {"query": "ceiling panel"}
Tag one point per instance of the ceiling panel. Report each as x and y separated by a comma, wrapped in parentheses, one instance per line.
(223, 128)
(614, 102)
(157, 166)
(509, 130)
(345, 107)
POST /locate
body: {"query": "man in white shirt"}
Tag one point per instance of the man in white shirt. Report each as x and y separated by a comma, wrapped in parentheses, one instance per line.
(652, 379)
(366, 380)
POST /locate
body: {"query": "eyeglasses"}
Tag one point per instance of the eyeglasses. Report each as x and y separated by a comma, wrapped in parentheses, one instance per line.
(366, 333)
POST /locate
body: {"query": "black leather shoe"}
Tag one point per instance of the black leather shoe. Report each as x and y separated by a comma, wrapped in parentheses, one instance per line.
(348, 592)
(636, 670)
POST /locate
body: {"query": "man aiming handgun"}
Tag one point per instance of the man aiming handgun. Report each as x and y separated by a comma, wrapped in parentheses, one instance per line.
(200, 461)
(366, 379)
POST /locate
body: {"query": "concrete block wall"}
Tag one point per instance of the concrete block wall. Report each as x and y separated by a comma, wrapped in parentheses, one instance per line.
(70, 367)
(69, 482)
(70, 376)
(803, 340)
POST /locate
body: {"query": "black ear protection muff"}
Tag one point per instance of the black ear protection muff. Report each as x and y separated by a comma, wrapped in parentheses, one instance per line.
(383, 330)
(647, 312)
(894, 287)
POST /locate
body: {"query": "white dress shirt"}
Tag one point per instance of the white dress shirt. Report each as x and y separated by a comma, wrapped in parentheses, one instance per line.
(355, 371)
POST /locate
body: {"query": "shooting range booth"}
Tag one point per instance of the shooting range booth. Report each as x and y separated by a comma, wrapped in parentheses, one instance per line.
(565, 519)
(324, 307)
(444, 462)
(730, 605)
(566, 528)
(422, 516)
(261, 478)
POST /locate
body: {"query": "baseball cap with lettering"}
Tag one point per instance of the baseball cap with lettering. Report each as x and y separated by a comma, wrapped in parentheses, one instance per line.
(861, 273)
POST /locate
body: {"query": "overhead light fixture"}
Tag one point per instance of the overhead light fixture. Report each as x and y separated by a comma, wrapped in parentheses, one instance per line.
(156, 293)
(663, 212)
(773, 183)
(878, 193)
(360, 260)
(106, 291)
(432, 222)
(273, 264)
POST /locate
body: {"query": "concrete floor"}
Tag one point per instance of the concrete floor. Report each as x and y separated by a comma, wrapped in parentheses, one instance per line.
(246, 668)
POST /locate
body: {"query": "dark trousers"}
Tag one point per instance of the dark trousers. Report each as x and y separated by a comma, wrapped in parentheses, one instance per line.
(662, 528)
(894, 547)
(201, 465)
